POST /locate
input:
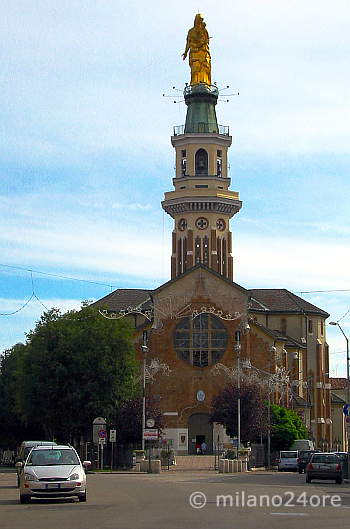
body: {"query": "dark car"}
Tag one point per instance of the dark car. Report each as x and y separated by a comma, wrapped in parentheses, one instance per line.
(324, 465)
(343, 456)
(303, 459)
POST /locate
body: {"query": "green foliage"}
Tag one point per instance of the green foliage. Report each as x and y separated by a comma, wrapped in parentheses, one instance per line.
(286, 427)
(74, 367)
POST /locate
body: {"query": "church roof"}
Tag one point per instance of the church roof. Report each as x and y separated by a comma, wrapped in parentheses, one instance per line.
(122, 298)
(262, 299)
(281, 300)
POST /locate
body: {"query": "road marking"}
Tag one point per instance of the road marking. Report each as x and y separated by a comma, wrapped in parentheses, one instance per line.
(290, 513)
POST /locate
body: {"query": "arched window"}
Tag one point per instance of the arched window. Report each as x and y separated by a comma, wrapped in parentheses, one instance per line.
(201, 162)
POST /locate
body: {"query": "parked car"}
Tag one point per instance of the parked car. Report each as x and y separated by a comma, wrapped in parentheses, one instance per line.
(324, 465)
(52, 472)
(288, 460)
(303, 444)
(303, 459)
(343, 456)
(23, 452)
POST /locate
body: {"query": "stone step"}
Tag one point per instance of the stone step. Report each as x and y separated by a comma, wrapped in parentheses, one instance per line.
(194, 462)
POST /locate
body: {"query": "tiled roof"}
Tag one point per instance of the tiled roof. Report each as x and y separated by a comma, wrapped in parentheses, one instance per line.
(123, 298)
(338, 383)
(281, 300)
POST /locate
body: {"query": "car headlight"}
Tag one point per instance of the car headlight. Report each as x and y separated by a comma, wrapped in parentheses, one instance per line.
(74, 477)
(30, 477)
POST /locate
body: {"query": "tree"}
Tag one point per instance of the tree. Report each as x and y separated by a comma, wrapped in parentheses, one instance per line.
(253, 410)
(76, 366)
(11, 426)
(286, 427)
(129, 419)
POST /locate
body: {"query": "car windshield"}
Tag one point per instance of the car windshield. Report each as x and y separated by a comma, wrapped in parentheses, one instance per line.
(43, 458)
(321, 458)
(285, 455)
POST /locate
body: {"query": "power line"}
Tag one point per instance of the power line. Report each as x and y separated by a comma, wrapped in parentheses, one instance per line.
(31, 271)
(323, 291)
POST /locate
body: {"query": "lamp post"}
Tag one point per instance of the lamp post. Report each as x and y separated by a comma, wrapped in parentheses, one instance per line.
(347, 384)
(145, 351)
(237, 348)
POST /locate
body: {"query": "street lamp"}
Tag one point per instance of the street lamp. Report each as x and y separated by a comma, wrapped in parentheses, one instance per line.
(145, 351)
(237, 348)
(348, 384)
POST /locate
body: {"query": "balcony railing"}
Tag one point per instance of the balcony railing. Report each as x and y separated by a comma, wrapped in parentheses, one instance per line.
(198, 128)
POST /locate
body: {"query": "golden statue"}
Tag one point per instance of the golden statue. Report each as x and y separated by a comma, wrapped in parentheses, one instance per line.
(198, 44)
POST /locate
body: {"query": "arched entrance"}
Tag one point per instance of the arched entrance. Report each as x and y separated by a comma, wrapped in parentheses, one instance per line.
(199, 430)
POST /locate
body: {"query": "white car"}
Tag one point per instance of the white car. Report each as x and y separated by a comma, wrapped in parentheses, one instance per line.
(288, 460)
(52, 472)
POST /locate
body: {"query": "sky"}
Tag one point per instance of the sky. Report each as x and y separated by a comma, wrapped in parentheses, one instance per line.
(85, 152)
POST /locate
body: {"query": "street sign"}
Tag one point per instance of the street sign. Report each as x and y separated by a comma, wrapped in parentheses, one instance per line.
(112, 436)
(151, 434)
(346, 410)
(102, 441)
(98, 424)
(347, 420)
(102, 434)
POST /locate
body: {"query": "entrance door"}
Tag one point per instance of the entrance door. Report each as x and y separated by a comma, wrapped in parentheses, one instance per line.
(199, 430)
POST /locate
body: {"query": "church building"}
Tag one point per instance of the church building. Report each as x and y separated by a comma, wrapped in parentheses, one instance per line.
(201, 324)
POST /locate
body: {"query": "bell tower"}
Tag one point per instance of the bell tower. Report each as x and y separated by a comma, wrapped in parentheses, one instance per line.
(201, 204)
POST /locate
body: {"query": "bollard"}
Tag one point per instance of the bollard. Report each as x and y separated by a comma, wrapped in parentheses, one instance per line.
(226, 466)
(221, 466)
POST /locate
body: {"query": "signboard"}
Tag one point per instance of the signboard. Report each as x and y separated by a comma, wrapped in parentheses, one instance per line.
(112, 436)
(151, 434)
(346, 410)
(98, 424)
(102, 434)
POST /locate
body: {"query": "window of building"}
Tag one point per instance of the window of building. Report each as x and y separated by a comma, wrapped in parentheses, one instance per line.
(201, 185)
(200, 341)
(219, 153)
(322, 327)
(183, 153)
(201, 162)
(310, 326)
(283, 326)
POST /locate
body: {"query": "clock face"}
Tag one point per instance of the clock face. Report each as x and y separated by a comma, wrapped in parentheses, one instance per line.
(182, 224)
(221, 224)
(202, 223)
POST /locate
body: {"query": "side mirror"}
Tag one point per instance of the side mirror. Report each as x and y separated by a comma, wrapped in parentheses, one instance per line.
(19, 464)
(86, 464)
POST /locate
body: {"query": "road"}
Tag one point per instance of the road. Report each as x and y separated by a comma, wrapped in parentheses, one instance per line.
(136, 501)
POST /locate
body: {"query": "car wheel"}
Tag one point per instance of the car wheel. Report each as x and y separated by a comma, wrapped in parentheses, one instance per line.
(23, 498)
(82, 497)
(339, 481)
(308, 479)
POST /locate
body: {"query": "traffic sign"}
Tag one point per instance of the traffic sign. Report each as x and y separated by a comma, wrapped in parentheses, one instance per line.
(346, 410)
(151, 434)
(102, 434)
(112, 436)
(150, 423)
(102, 441)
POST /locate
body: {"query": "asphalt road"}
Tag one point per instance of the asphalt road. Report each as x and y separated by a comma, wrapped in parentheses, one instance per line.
(127, 501)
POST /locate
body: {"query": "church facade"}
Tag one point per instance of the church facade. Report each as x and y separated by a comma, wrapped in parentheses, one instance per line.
(201, 324)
